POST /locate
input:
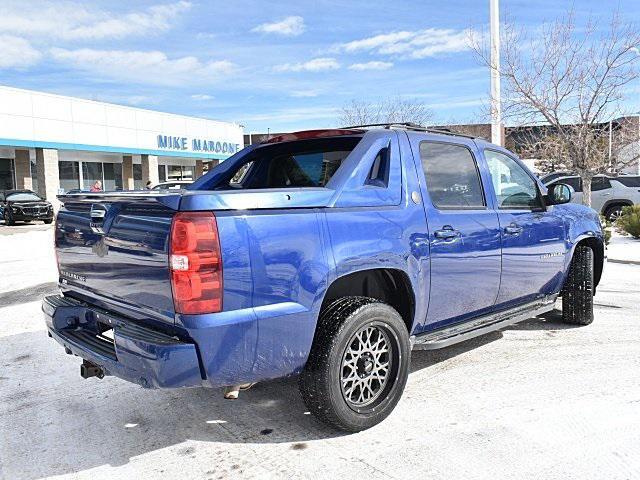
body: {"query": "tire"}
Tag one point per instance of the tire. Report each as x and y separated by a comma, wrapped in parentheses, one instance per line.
(346, 325)
(8, 218)
(613, 212)
(577, 293)
(48, 221)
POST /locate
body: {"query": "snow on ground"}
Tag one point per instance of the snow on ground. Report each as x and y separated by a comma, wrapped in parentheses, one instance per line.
(623, 248)
(26, 257)
(537, 400)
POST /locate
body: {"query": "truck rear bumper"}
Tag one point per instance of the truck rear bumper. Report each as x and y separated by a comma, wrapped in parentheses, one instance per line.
(135, 353)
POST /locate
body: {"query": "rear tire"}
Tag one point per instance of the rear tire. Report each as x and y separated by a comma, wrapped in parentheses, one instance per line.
(48, 222)
(345, 383)
(577, 294)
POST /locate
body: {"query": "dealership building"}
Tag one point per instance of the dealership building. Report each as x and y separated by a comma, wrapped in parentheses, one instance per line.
(53, 144)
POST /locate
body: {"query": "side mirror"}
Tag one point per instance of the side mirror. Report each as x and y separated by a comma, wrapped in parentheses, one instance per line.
(559, 193)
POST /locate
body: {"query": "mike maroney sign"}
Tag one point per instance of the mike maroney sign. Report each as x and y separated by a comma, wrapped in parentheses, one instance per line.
(197, 145)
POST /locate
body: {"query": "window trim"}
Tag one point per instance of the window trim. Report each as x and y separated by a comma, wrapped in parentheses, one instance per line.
(484, 207)
(541, 208)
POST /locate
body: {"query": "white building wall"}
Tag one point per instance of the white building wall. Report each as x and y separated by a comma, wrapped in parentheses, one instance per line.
(37, 119)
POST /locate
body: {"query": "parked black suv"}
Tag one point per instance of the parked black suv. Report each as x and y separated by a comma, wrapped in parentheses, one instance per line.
(24, 206)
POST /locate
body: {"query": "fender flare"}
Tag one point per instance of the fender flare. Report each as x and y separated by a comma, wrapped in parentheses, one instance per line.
(599, 255)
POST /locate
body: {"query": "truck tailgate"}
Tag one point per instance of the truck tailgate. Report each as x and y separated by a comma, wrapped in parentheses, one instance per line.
(116, 246)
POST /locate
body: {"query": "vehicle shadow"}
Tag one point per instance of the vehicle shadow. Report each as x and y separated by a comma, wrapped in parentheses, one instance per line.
(82, 424)
(548, 321)
(28, 294)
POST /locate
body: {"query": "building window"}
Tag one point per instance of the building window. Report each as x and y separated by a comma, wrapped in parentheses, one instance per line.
(69, 175)
(6, 174)
(91, 173)
(112, 176)
(137, 176)
(188, 173)
(174, 172)
(34, 175)
(162, 173)
(178, 172)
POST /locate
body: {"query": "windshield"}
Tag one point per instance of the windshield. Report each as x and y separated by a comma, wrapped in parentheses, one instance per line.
(23, 197)
(303, 163)
(170, 186)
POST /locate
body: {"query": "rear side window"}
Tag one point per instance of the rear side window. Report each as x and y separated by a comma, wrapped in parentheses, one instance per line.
(629, 181)
(453, 181)
(304, 163)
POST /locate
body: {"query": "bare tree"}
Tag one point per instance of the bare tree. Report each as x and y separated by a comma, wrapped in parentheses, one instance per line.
(389, 110)
(571, 79)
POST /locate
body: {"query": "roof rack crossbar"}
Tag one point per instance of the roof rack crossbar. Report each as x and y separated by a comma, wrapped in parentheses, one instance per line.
(412, 126)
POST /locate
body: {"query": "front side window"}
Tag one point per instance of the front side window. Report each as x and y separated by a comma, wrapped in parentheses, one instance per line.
(573, 182)
(453, 181)
(514, 187)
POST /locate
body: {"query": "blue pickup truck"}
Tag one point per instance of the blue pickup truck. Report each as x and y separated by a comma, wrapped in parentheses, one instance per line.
(330, 254)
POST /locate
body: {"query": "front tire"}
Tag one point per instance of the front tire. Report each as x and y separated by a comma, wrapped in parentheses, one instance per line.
(577, 294)
(358, 364)
(8, 218)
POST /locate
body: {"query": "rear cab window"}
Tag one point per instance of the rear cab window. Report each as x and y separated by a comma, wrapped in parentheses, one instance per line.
(295, 164)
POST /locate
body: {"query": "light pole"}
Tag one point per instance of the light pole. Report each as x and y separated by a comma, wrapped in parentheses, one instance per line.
(496, 105)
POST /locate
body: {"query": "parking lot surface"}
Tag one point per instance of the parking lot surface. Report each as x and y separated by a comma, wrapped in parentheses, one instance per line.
(538, 400)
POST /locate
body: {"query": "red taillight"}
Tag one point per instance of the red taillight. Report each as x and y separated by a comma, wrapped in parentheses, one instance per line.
(195, 262)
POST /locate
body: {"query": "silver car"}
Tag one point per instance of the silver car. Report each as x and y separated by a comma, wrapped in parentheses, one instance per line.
(608, 194)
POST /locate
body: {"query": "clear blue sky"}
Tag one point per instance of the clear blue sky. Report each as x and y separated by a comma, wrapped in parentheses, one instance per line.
(279, 65)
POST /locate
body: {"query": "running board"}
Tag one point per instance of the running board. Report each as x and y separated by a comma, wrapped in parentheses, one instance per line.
(481, 325)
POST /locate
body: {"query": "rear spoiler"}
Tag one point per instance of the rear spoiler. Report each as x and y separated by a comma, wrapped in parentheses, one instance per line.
(168, 199)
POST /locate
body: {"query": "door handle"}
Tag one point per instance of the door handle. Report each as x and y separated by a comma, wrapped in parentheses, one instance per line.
(513, 230)
(446, 233)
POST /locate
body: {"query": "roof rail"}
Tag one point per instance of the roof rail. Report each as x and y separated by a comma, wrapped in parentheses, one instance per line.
(413, 127)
